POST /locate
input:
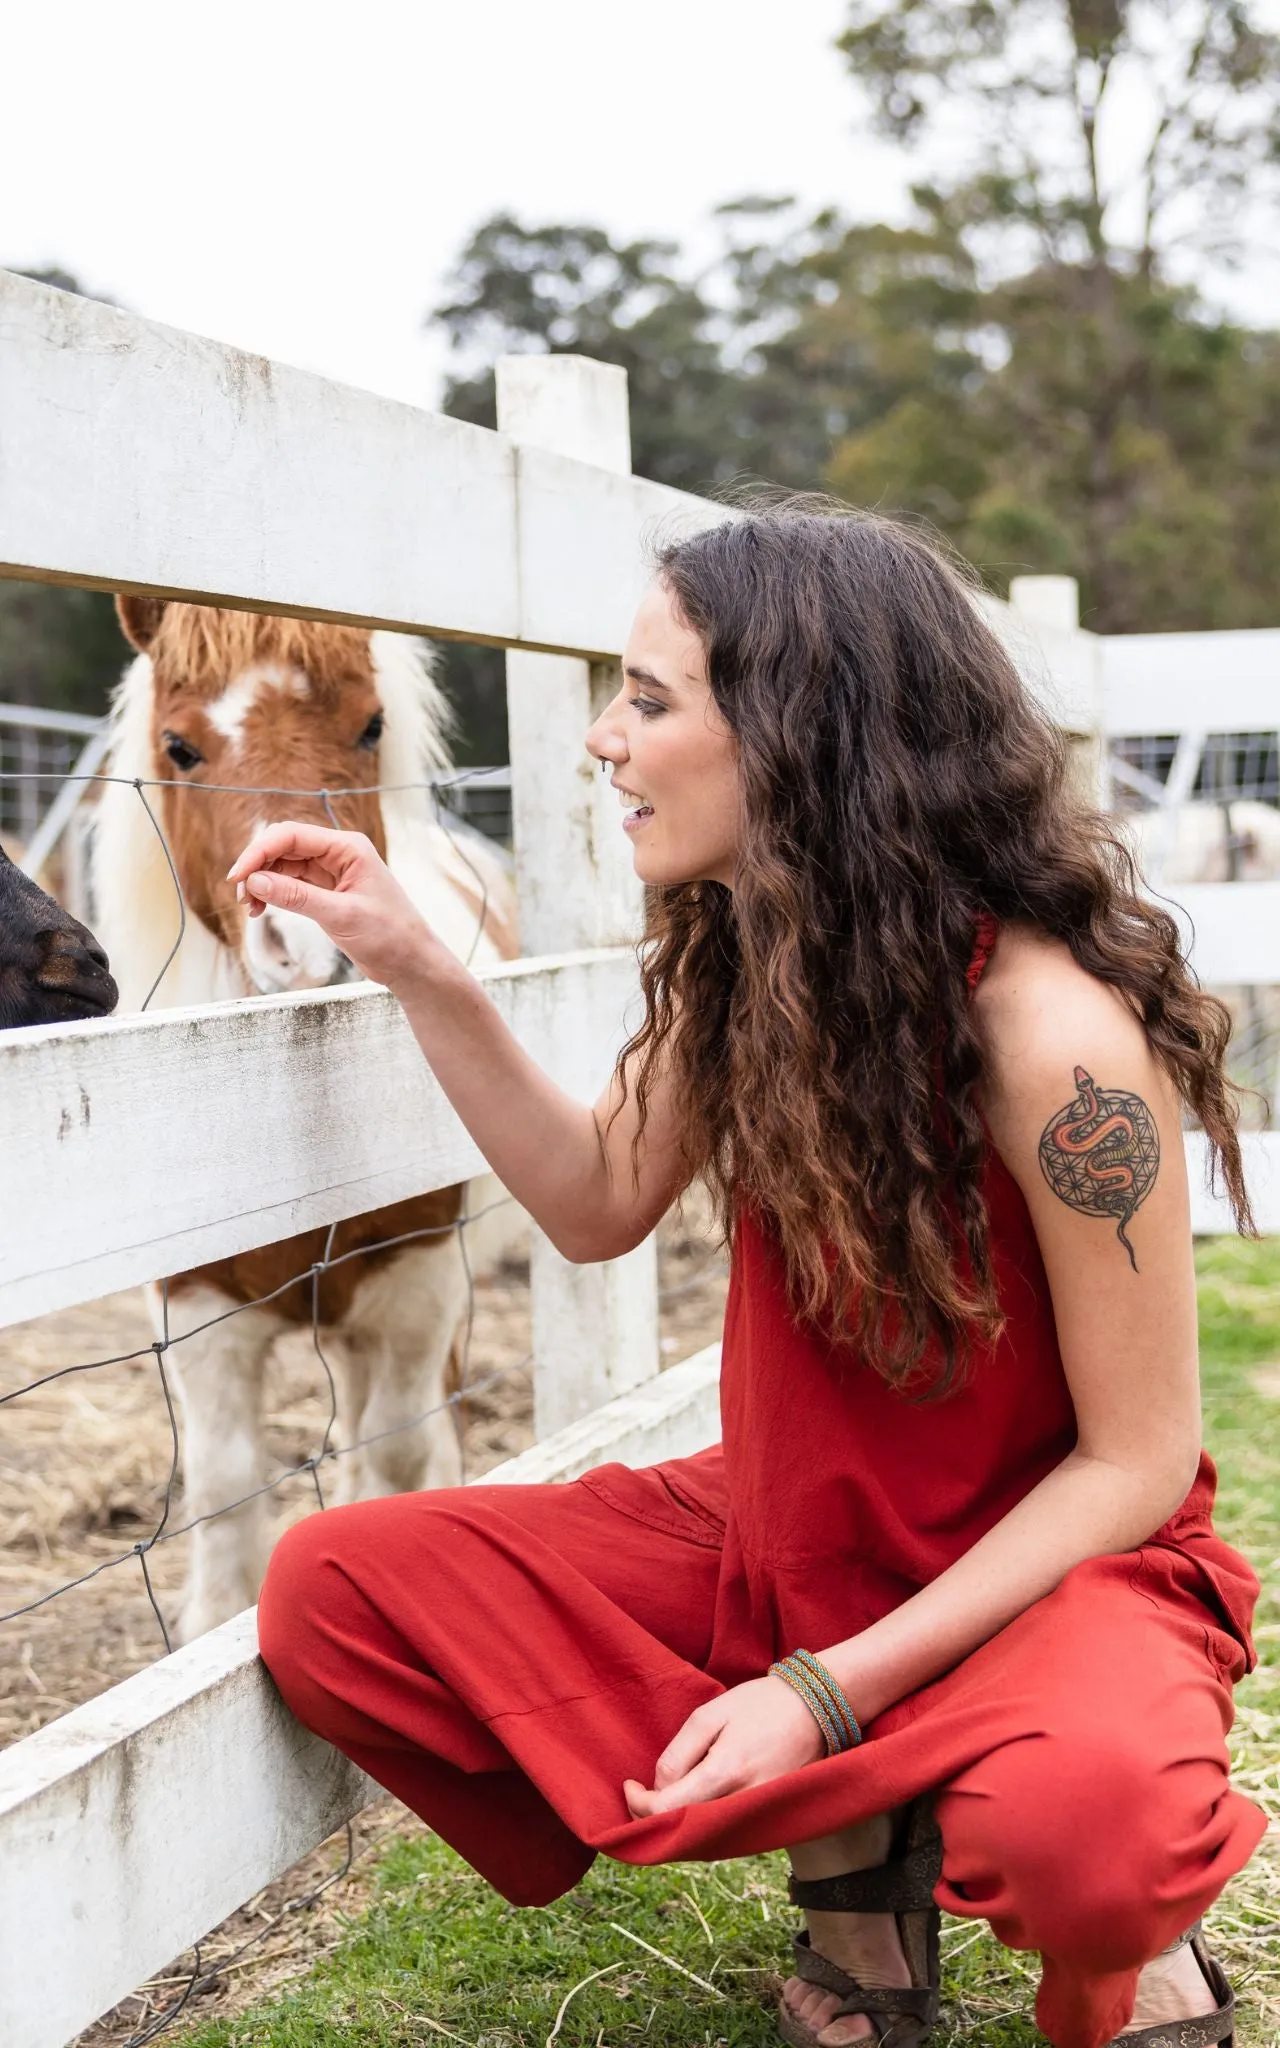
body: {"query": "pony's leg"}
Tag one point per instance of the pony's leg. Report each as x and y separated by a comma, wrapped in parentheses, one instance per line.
(400, 1329)
(349, 1366)
(217, 1375)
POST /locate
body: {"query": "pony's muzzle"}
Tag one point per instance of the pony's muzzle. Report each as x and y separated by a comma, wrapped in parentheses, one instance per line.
(284, 951)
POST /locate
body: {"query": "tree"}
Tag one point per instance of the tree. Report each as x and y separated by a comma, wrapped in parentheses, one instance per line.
(572, 289)
(1029, 364)
(1036, 84)
(1114, 427)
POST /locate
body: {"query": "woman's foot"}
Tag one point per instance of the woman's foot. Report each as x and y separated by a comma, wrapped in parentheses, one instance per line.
(866, 1945)
(1173, 1987)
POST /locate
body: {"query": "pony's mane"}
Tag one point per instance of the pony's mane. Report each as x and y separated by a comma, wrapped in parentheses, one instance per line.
(415, 741)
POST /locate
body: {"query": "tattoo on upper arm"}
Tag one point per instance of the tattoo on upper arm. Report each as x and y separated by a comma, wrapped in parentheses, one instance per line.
(1101, 1154)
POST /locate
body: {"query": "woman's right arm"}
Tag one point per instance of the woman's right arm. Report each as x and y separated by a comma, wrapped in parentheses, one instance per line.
(568, 1164)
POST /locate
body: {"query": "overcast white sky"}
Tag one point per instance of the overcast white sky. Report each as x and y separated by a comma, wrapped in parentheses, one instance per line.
(296, 178)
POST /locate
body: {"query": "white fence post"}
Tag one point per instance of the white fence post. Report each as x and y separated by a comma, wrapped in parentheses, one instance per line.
(1052, 601)
(595, 1328)
(1052, 604)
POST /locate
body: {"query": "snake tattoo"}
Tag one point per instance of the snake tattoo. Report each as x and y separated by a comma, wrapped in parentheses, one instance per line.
(1101, 1153)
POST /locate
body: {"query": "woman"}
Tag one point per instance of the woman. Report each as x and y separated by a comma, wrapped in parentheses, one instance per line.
(946, 1616)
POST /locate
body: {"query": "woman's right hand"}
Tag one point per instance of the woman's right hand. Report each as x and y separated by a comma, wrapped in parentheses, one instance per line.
(340, 880)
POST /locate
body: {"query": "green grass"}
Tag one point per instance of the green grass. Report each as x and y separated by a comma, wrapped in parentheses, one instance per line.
(435, 1955)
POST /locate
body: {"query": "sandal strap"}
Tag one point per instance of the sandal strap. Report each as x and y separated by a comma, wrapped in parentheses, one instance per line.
(1209, 2028)
(917, 2001)
(903, 1886)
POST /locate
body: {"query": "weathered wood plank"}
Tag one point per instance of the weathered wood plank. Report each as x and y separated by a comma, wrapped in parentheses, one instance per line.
(139, 1147)
(135, 456)
(133, 1825)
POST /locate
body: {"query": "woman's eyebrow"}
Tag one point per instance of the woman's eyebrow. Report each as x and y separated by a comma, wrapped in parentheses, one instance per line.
(645, 675)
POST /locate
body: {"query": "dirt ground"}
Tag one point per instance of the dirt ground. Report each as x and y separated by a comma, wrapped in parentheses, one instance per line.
(84, 1463)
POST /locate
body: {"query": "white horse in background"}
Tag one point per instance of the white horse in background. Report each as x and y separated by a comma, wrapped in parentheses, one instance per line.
(1206, 841)
(253, 705)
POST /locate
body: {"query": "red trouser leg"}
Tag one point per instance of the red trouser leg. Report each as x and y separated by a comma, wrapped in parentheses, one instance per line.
(571, 1630)
(1101, 1824)
(1080, 1754)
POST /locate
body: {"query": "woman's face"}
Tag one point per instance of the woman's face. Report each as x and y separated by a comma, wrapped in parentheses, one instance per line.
(670, 753)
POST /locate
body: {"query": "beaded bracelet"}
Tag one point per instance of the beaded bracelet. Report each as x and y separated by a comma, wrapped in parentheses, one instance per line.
(823, 1697)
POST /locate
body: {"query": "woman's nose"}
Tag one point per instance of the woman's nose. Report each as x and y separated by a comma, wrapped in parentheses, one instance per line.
(605, 744)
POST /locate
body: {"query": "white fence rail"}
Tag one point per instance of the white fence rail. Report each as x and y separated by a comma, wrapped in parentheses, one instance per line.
(108, 1186)
(133, 457)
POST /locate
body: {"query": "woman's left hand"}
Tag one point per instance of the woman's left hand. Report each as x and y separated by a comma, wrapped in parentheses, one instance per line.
(748, 1735)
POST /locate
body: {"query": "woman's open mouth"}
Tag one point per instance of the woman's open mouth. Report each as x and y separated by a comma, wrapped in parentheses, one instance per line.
(638, 812)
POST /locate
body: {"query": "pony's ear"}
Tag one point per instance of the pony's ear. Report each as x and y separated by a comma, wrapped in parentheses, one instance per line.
(140, 619)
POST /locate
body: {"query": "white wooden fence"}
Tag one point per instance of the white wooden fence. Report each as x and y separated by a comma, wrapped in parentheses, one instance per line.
(136, 458)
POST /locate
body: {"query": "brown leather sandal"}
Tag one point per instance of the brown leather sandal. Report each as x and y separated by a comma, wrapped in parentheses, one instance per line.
(903, 1886)
(1209, 2028)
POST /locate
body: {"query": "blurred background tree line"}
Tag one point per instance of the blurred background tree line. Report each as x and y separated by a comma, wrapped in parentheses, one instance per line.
(1033, 363)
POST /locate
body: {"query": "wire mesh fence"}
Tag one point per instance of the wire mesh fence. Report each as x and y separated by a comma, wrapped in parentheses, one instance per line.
(328, 1453)
(1231, 767)
(482, 800)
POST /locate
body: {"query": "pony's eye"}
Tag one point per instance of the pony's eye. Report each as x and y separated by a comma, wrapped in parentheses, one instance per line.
(372, 733)
(181, 752)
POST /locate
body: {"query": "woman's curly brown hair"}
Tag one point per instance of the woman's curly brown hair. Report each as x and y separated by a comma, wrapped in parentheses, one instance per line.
(897, 779)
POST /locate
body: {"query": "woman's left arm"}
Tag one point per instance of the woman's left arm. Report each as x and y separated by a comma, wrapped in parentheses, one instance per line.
(1126, 1321)
(1058, 1044)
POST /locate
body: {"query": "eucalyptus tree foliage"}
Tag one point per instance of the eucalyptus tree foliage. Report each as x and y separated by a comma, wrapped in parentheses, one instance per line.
(573, 289)
(1093, 159)
(1081, 130)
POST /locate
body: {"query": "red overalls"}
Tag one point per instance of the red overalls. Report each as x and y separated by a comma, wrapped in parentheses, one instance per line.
(501, 1658)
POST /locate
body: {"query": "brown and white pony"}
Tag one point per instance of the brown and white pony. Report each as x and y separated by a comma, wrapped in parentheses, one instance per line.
(260, 704)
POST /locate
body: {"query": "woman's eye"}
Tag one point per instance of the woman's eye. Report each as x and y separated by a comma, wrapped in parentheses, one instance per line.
(373, 732)
(181, 752)
(648, 707)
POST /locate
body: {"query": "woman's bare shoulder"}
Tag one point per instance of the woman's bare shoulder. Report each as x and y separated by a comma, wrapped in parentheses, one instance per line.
(1037, 1008)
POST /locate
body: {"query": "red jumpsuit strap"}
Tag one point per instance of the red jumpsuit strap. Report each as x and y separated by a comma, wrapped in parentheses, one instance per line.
(986, 928)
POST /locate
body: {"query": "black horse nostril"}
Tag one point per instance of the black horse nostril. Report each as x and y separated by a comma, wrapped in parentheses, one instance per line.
(74, 969)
